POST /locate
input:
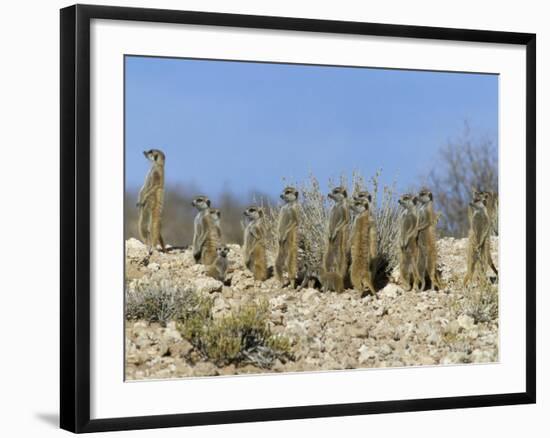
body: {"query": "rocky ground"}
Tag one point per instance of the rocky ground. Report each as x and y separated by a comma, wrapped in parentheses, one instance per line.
(328, 331)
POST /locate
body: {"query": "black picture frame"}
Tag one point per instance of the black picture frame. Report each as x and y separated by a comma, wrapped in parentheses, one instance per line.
(75, 217)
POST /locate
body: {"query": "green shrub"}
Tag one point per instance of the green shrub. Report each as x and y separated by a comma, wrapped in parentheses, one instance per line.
(243, 336)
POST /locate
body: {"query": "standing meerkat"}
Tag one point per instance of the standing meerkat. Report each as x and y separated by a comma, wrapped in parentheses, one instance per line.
(480, 229)
(218, 267)
(491, 203)
(363, 246)
(427, 257)
(408, 260)
(335, 257)
(287, 230)
(202, 204)
(212, 236)
(150, 201)
(254, 243)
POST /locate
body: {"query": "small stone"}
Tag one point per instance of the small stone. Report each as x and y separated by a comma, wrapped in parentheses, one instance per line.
(153, 267)
(365, 353)
(466, 322)
(207, 285)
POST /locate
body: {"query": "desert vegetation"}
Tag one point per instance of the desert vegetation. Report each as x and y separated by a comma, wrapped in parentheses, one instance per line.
(181, 322)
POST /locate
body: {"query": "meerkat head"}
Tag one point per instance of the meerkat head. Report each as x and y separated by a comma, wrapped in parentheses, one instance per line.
(290, 194)
(155, 156)
(201, 202)
(222, 251)
(408, 201)
(480, 194)
(363, 195)
(479, 203)
(358, 206)
(425, 196)
(254, 213)
(338, 194)
(215, 213)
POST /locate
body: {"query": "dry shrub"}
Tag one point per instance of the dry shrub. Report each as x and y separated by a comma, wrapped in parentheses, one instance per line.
(243, 336)
(481, 303)
(162, 302)
(463, 163)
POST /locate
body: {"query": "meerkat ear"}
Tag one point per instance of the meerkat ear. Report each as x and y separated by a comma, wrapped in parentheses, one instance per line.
(415, 200)
(369, 197)
(208, 202)
(297, 193)
(261, 211)
(431, 196)
(345, 192)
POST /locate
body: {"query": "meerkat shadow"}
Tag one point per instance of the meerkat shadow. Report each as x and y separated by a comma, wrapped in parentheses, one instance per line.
(382, 273)
(177, 248)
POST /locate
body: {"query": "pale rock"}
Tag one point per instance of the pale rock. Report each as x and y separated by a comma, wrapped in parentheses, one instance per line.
(207, 285)
(466, 322)
(365, 353)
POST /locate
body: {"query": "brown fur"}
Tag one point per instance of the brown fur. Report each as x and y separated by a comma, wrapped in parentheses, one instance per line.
(478, 241)
(408, 257)
(212, 236)
(254, 253)
(218, 268)
(287, 230)
(331, 281)
(335, 258)
(363, 247)
(491, 203)
(427, 257)
(150, 202)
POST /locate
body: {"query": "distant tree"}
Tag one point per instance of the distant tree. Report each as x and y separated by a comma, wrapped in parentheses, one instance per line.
(463, 163)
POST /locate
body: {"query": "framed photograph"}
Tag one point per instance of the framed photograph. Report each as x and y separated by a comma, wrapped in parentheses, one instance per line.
(268, 218)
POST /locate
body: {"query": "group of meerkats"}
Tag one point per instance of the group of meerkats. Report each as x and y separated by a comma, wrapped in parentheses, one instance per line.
(351, 241)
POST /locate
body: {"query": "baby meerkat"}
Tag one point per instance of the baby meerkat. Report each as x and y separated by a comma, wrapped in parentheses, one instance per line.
(408, 246)
(480, 228)
(363, 246)
(255, 242)
(331, 281)
(218, 268)
(151, 200)
(335, 257)
(287, 231)
(427, 257)
(202, 204)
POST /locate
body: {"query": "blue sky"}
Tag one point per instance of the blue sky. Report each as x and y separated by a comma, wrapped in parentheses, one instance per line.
(243, 126)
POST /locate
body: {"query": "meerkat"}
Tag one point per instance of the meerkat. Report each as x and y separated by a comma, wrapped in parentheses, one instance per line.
(480, 228)
(287, 230)
(212, 236)
(427, 257)
(491, 202)
(218, 268)
(335, 257)
(331, 281)
(408, 261)
(150, 201)
(255, 242)
(203, 228)
(363, 246)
